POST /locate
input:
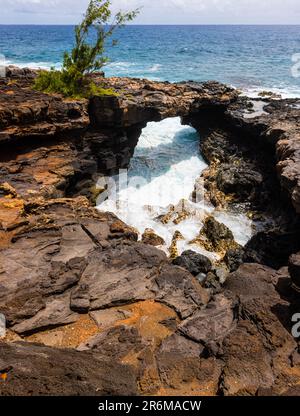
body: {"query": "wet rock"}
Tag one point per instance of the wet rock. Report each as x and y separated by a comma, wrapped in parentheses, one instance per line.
(216, 231)
(151, 238)
(216, 146)
(241, 181)
(173, 249)
(201, 277)
(119, 229)
(234, 258)
(193, 262)
(279, 132)
(269, 94)
(216, 237)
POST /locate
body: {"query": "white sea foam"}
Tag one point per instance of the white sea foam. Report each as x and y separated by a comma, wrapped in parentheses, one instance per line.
(36, 65)
(120, 65)
(283, 92)
(155, 68)
(257, 109)
(168, 160)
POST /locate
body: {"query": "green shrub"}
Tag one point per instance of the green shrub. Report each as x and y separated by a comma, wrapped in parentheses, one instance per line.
(58, 82)
(73, 79)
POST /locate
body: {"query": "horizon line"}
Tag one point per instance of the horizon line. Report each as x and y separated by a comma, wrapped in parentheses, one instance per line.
(159, 24)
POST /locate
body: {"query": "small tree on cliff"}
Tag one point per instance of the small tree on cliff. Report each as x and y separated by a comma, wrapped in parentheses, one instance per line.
(86, 57)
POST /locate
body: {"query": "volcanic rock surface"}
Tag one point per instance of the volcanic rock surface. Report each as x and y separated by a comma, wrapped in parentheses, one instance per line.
(90, 310)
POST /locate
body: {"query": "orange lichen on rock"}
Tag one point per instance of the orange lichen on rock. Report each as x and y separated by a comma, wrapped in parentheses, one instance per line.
(148, 318)
(3, 376)
(11, 212)
(69, 336)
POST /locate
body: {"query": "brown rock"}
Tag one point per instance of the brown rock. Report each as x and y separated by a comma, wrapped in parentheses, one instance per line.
(248, 365)
(33, 369)
(183, 371)
(211, 324)
(179, 289)
(149, 237)
(56, 313)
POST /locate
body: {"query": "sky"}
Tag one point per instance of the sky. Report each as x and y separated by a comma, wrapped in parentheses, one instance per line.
(157, 11)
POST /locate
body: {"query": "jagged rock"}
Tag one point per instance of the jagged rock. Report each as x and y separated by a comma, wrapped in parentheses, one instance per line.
(216, 237)
(253, 281)
(25, 113)
(178, 289)
(212, 324)
(277, 129)
(57, 312)
(62, 260)
(7, 190)
(272, 248)
(294, 269)
(216, 231)
(151, 238)
(200, 376)
(37, 370)
(119, 228)
(239, 180)
(120, 275)
(107, 317)
(173, 249)
(116, 342)
(269, 94)
(25, 74)
(268, 329)
(193, 262)
(80, 298)
(212, 283)
(154, 101)
(248, 365)
(221, 272)
(49, 257)
(216, 147)
(234, 258)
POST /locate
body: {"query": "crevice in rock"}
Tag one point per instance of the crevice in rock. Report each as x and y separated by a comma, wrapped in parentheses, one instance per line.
(91, 236)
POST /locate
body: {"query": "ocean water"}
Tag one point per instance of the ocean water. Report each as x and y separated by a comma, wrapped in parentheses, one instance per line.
(162, 175)
(252, 58)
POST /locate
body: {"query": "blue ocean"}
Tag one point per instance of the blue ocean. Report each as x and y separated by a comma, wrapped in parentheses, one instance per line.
(251, 58)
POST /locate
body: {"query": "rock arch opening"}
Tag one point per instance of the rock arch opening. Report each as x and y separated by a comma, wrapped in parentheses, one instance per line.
(162, 193)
